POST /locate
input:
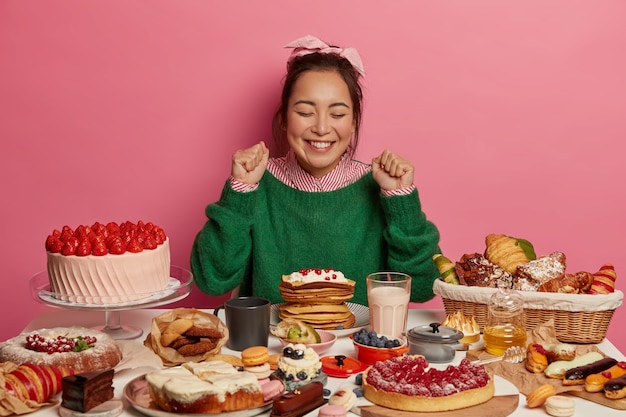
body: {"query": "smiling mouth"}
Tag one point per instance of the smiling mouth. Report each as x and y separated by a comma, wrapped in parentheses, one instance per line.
(320, 145)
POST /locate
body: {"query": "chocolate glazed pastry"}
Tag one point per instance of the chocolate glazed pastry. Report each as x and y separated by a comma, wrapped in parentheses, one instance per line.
(576, 376)
(615, 388)
(300, 401)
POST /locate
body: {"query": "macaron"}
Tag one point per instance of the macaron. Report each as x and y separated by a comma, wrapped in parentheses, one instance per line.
(332, 411)
(540, 395)
(271, 388)
(255, 355)
(343, 397)
(260, 371)
(560, 406)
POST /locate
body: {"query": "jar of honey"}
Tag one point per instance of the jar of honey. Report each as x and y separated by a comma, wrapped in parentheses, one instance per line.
(505, 323)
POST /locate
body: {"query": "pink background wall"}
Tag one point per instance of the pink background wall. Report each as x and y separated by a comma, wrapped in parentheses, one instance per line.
(513, 113)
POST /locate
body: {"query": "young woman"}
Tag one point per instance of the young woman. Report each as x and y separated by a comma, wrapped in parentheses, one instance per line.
(315, 207)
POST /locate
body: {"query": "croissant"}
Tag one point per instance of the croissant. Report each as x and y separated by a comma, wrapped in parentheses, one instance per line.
(38, 383)
(604, 280)
(446, 269)
(508, 252)
(174, 330)
(577, 283)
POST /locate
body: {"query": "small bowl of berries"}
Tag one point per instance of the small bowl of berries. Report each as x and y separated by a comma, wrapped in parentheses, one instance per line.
(370, 347)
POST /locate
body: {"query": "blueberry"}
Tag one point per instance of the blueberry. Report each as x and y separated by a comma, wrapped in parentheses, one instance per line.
(297, 354)
(302, 375)
(358, 379)
(358, 392)
(340, 327)
(388, 344)
(288, 351)
(327, 393)
(396, 343)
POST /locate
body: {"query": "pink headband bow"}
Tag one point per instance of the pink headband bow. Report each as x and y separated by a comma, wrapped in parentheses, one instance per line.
(310, 44)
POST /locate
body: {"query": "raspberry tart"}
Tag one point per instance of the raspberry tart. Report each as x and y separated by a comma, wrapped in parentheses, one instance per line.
(108, 264)
(407, 383)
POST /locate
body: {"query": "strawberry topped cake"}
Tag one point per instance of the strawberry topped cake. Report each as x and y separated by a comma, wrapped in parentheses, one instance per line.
(407, 383)
(108, 264)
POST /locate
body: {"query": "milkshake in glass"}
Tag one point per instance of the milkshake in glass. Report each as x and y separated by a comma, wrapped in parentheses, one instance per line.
(388, 295)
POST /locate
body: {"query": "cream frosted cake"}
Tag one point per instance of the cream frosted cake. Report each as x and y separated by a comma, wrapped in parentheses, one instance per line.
(207, 388)
(107, 264)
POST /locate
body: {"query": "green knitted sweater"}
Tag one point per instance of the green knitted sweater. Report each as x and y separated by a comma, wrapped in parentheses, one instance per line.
(251, 239)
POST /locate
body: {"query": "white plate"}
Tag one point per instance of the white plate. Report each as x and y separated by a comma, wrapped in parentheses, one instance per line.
(136, 393)
(361, 316)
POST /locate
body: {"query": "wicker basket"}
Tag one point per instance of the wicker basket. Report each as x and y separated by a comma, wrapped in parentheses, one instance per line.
(578, 318)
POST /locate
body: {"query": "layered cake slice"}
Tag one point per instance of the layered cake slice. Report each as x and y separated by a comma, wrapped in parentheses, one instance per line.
(82, 392)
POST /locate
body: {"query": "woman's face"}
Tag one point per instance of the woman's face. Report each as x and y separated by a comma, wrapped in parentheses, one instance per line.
(320, 121)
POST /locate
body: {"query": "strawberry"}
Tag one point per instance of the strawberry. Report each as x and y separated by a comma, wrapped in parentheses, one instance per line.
(113, 228)
(159, 235)
(55, 245)
(69, 248)
(98, 228)
(84, 247)
(98, 248)
(81, 231)
(66, 234)
(149, 242)
(134, 246)
(115, 245)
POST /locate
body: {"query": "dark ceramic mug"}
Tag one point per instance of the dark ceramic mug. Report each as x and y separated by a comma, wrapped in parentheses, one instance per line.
(248, 321)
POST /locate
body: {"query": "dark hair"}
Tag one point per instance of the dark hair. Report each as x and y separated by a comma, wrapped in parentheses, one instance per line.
(318, 62)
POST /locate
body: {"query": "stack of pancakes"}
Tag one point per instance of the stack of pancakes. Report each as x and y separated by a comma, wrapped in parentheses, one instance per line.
(318, 300)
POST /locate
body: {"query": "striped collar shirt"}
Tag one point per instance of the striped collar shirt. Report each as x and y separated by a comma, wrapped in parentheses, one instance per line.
(287, 170)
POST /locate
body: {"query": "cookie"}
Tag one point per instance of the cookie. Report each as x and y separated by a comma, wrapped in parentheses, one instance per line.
(196, 348)
(182, 341)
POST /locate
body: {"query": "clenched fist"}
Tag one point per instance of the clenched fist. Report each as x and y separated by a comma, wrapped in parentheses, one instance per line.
(250, 164)
(392, 172)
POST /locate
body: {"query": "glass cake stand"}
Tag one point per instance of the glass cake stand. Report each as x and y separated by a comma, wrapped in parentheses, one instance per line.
(178, 288)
